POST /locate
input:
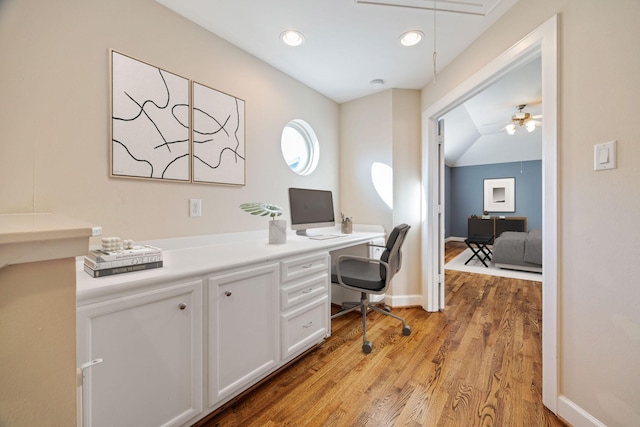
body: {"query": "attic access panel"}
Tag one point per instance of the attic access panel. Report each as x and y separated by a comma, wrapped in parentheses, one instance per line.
(471, 7)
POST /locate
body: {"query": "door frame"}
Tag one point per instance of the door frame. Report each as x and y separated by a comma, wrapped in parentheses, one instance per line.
(543, 42)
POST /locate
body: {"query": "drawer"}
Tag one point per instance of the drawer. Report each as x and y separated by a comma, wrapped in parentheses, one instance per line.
(293, 268)
(304, 327)
(303, 290)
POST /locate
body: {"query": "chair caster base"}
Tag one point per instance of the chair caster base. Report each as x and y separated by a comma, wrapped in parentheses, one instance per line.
(406, 330)
(367, 347)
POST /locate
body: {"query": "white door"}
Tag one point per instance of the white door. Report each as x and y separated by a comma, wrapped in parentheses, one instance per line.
(441, 216)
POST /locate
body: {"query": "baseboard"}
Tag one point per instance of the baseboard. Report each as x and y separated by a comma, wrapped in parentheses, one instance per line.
(454, 239)
(403, 300)
(575, 415)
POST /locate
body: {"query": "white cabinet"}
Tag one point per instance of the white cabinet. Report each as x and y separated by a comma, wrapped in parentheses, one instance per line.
(304, 297)
(243, 329)
(181, 341)
(151, 346)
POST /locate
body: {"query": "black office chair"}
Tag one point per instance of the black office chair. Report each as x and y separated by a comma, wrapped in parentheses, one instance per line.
(371, 276)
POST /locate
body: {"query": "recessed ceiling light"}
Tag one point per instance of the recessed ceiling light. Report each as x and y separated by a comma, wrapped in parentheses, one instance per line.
(292, 38)
(411, 38)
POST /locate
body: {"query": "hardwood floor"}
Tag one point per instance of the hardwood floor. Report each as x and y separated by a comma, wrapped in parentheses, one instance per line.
(478, 363)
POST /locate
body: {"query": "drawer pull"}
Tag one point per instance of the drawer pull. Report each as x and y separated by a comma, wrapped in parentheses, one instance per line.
(227, 293)
(307, 291)
(307, 265)
(182, 306)
(308, 325)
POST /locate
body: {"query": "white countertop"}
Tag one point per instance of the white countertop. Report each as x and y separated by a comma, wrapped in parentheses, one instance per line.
(201, 255)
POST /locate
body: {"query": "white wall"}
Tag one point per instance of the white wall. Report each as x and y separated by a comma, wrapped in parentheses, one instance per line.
(54, 138)
(407, 185)
(599, 331)
(385, 128)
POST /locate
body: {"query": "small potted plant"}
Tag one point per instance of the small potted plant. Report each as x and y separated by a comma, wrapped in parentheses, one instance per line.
(277, 227)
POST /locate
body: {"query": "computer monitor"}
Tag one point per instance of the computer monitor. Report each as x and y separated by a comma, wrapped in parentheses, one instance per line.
(310, 209)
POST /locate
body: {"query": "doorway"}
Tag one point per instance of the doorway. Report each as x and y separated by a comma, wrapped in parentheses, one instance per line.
(541, 42)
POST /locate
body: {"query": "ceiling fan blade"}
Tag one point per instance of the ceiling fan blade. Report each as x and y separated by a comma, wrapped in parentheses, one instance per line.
(537, 116)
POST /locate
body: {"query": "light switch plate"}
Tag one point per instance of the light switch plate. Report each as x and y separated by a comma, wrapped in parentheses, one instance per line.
(604, 156)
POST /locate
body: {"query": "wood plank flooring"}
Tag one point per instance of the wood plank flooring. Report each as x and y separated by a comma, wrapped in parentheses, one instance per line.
(478, 363)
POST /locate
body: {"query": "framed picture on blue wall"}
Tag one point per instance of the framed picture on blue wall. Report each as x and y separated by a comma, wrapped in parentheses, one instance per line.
(500, 195)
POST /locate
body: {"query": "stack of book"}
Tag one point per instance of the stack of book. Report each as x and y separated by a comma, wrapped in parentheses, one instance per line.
(100, 262)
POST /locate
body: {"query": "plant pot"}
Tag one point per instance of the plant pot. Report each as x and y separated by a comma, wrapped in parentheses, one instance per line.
(277, 231)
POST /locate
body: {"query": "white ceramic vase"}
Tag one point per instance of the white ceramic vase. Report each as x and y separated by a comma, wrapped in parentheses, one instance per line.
(277, 231)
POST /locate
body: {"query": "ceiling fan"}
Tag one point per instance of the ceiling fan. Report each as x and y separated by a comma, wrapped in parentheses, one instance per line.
(522, 118)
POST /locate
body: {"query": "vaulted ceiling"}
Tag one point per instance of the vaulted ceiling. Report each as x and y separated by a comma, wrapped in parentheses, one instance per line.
(474, 131)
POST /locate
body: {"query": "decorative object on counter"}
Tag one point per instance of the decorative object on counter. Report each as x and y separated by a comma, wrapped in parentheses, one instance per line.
(277, 227)
(124, 258)
(115, 244)
(347, 224)
(102, 272)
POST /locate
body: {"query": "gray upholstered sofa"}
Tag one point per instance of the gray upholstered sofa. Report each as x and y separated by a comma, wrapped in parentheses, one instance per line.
(519, 250)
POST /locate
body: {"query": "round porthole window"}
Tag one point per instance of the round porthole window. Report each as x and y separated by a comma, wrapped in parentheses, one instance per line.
(299, 146)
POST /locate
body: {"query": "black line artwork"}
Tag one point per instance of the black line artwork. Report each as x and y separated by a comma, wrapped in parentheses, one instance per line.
(218, 137)
(149, 121)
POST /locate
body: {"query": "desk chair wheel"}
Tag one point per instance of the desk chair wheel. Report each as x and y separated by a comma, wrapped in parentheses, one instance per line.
(387, 308)
(406, 330)
(367, 347)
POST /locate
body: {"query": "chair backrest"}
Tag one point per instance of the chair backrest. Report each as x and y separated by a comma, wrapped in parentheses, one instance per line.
(392, 255)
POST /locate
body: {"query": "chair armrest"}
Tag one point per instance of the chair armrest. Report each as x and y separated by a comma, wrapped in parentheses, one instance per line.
(340, 258)
(376, 246)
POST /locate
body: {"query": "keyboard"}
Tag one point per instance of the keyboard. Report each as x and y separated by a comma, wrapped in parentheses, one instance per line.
(325, 236)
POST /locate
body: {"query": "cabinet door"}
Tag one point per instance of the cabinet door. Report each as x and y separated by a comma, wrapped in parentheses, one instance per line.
(151, 346)
(243, 332)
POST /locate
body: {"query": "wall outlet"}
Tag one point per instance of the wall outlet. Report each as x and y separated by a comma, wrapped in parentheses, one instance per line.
(195, 207)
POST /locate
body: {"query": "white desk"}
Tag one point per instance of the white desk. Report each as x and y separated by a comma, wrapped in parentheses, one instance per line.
(224, 312)
(191, 256)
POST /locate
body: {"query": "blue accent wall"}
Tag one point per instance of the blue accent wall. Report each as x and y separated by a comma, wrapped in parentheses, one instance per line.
(464, 187)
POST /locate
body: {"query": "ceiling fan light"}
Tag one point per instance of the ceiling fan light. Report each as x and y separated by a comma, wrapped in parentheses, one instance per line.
(292, 38)
(411, 38)
(530, 125)
(510, 128)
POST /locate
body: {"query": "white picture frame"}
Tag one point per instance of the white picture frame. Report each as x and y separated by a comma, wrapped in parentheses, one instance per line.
(500, 195)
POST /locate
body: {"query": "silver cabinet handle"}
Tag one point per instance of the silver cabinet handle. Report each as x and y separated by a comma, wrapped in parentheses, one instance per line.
(228, 293)
(307, 265)
(307, 291)
(308, 325)
(182, 306)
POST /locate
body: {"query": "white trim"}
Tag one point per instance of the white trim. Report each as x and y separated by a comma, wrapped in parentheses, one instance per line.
(403, 300)
(542, 41)
(575, 415)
